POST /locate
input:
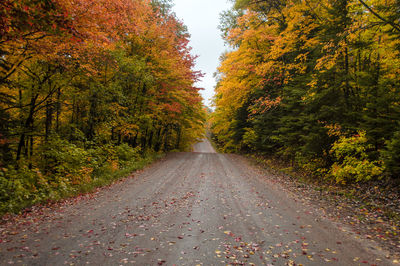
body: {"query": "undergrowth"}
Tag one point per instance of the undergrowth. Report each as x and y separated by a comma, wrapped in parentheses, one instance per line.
(24, 187)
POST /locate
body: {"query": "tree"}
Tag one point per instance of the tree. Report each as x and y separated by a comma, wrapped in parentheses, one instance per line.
(300, 68)
(84, 84)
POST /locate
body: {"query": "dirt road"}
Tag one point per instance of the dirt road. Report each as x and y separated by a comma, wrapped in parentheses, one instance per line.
(198, 208)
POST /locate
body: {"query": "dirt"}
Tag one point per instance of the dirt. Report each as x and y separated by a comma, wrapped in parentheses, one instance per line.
(196, 208)
(370, 210)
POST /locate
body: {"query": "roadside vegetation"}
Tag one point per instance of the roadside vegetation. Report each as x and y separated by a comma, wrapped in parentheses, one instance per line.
(315, 84)
(89, 92)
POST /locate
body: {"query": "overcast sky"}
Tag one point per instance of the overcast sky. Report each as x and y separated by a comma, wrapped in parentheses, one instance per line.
(202, 19)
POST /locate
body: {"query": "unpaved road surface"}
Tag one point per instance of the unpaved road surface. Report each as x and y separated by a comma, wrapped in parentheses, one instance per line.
(198, 208)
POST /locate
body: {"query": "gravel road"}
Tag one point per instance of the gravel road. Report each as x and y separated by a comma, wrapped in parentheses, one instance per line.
(197, 208)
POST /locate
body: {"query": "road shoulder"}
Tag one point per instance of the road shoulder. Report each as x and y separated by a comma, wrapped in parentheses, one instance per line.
(345, 213)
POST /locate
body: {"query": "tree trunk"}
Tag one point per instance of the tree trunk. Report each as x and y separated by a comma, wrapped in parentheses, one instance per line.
(157, 146)
(49, 119)
(30, 151)
(28, 122)
(143, 140)
(150, 140)
(166, 138)
(178, 140)
(58, 110)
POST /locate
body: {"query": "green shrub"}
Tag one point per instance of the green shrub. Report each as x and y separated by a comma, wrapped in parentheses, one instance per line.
(315, 166)
(352, 162)
(250, 138)
(64, 163)
(25, 187)
(391, 155)
(126, 153)
(103, 160)
(20, 188)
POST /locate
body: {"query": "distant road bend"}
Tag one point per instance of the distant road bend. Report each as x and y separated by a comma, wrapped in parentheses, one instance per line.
(195, 208)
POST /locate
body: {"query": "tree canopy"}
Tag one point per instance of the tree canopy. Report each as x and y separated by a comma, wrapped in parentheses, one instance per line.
(315, 82)
(81, 80)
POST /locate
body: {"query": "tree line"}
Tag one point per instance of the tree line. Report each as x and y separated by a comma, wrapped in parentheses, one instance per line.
(316, 83)
(87, 87)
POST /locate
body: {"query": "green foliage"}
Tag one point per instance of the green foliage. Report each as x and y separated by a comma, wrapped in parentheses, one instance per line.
(315, 166)
(25, 187)
(18, 187)
(391, 155)
(65, 162)
(126, 153)
(351, 160)
(250, 138)
(299, 68)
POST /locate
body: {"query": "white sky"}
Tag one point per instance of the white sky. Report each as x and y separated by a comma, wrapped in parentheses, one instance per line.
(202, 19)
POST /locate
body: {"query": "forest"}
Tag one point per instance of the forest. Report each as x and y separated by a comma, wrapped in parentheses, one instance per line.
(89, 89)
(315, 83)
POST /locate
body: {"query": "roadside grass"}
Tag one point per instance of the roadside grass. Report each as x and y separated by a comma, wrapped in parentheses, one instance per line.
(107, 176)
(104, 176)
